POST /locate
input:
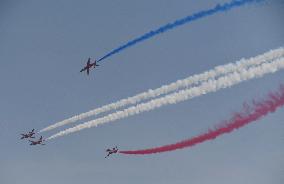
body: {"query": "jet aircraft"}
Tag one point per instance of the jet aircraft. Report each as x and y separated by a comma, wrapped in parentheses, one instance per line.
(89, 65)
(111, 151)
(40, 141)
(28, 135)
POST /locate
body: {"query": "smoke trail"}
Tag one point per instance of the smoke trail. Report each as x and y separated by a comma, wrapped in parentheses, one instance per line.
(248, 115)
(206, 87)
(201, 14)
(187, 82)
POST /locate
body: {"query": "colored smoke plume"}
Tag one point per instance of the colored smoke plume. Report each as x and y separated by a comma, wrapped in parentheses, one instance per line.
(174, 86)
(191, 18)
(182, 95)
(240, 119)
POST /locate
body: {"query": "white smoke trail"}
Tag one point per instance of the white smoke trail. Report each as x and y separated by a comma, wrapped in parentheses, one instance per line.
(211, 85)
(184, 83)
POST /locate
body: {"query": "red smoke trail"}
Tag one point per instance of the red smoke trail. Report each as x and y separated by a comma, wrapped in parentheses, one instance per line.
(248, 115)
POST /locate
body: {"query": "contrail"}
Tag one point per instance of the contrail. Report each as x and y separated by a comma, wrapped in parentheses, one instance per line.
(247, 116)
(199, 15)
(183, 83)
(211, 85)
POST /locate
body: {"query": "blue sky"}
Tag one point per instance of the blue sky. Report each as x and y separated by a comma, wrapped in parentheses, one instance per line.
(43, 46)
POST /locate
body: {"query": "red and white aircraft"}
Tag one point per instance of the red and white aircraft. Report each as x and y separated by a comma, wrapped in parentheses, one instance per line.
(89, 65)
(40, 141)
(28, 135)
(111, 151)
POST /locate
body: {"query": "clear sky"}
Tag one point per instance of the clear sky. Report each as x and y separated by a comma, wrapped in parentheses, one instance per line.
(44, 44)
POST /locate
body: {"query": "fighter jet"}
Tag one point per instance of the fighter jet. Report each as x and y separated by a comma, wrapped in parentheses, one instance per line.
(37, 142)
(28, 135)
(89, 65)
(111, 151)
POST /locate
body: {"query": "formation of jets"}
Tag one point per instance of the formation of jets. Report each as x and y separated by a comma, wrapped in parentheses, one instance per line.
(87, 68)
(30, 135)
(89, 65)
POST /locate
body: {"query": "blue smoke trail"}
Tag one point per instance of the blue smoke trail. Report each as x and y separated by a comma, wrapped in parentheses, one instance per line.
(204, 13)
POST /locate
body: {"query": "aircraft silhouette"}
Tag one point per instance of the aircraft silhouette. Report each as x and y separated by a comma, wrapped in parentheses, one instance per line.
(28, 135)
(89, 65)
(111, 151)
(40, 141)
